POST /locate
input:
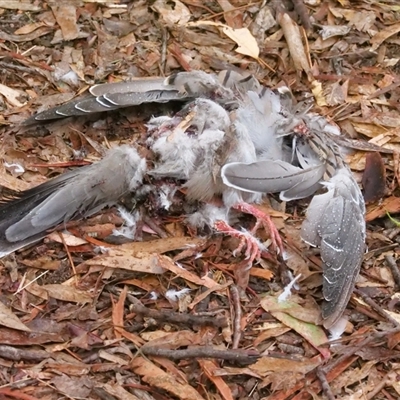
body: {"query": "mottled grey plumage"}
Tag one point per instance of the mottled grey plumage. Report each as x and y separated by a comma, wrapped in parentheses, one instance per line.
(195, 149)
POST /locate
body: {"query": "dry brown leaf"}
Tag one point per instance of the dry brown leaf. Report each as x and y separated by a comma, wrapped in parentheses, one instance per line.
(233, 16)
(329, 31)
(169, 265)
(29, 28)
(356, 161)
(67, 238)
(173, 340)
(161, 246)
(136, 340)
(66, 293)
(44, 30)
(76, 369)
(112, 358)
(242, 37)
(266, 365)
(384, 34)
(336, 93)
(35, 289)
(389, 205)
(204, 294)
(209, 367)
(118, 311)
(356, 375)
(19, 5)
(246, 42)
(10, 320)
(231, 371)
(10, 182)
(295, 43)
(115, 389)
(128, 260)
(156, 377)
(368, 129)
(78, 387)
(43, 262)
(11, 95)
(178, 14)
(66, 15)
(153, 335)
(262, 273)
(295, 316)
(268, 331)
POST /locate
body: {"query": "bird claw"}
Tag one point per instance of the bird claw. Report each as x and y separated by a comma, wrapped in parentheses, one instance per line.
(253, 246)
(265, 220)
(253, 250)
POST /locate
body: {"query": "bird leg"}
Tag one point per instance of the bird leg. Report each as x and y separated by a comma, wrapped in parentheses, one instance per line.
(265, 220)
(254, 247)
(247, 239)
(253, 250)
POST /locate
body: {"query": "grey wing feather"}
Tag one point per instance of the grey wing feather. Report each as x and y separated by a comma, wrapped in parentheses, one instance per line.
(113, 101)
(107, 102)
(78, 194)
(69, 109)
(152, 96)
(93, 105)
(342, 252)
(15, 208)
(106, 97)
(335, 222)
(300, 191)
(271, 176)
(66, 110)
(140, 85)
(315, 213)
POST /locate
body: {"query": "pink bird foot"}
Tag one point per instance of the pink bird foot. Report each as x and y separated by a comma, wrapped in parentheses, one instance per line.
(267, 223)
(253, 246)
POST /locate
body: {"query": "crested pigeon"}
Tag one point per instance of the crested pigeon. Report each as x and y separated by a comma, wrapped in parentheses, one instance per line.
(232, 138)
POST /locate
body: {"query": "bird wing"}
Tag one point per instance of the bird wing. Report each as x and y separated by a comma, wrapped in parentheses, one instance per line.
(76, 194)
(335, 223)
(181, 86)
